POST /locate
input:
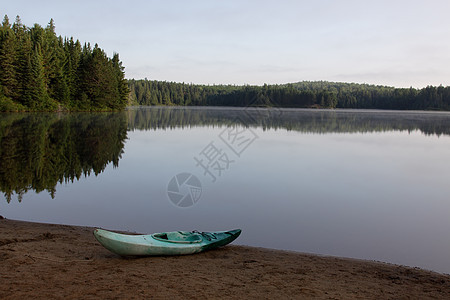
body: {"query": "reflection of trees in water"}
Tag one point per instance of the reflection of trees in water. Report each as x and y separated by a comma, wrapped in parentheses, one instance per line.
(39, 150)
(311, 121)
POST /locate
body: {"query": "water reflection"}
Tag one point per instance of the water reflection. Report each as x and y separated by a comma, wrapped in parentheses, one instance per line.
(39, 150)
(301, 120)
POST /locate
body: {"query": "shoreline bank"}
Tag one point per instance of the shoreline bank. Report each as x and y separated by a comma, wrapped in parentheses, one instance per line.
(63, 261)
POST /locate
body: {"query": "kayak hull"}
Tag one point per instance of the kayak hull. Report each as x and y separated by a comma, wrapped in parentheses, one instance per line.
(158, 245)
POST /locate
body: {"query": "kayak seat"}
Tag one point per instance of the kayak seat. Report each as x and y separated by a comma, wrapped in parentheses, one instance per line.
(178, 237)
(163, 236)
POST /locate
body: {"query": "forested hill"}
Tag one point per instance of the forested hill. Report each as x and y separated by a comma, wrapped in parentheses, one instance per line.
(319, 94)
(41, 71)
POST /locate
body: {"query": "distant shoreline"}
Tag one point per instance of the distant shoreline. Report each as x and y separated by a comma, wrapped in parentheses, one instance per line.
(337, 109)
(304, 94)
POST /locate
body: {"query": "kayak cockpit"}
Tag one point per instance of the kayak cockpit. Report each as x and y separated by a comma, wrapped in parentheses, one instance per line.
(178, 237)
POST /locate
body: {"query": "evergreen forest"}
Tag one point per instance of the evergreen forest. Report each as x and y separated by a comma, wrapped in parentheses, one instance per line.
(320, 94)
(40, 71)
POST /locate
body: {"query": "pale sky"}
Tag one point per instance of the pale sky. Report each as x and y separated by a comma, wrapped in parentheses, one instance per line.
(398, 43)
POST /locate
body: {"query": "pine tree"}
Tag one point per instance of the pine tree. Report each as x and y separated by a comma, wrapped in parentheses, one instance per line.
(27, 93)
(71, 64)
(40, 96)
(122, 84)
(8, 75)
(53, 59)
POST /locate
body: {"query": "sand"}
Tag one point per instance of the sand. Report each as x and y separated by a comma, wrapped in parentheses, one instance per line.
(59, 261)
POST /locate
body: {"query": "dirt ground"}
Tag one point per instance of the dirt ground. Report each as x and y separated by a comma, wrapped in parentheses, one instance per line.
(59, 261)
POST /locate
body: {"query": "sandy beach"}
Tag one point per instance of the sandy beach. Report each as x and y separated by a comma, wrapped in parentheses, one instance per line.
(59, 261)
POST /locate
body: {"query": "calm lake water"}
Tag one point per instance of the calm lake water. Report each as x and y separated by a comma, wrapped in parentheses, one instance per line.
(363, 184)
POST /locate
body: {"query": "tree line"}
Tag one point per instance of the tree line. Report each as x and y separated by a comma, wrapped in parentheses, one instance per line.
(321, 94)
(42, 71)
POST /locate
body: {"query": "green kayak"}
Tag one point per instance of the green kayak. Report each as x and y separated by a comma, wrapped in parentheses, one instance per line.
(164, 243)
